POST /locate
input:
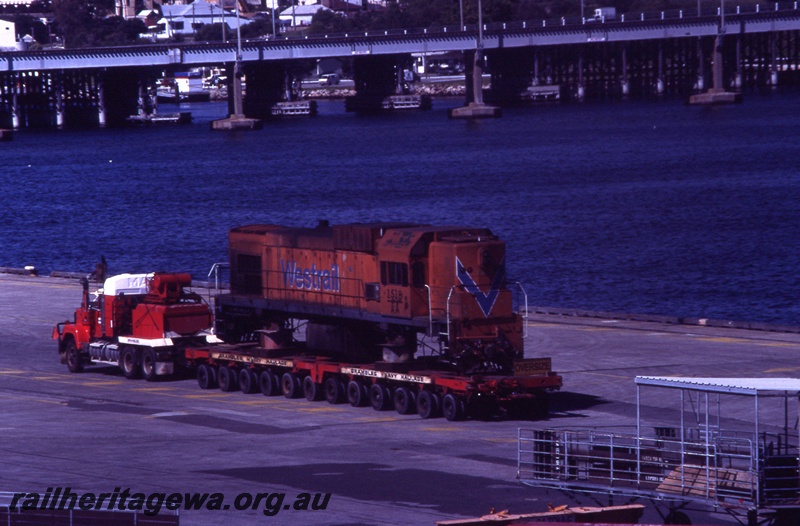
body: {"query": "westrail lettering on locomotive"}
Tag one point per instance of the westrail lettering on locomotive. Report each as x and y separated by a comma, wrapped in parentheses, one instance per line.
(313, 278)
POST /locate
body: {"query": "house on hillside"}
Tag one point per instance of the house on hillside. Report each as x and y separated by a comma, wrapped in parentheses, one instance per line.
(8, 36)
(300, 15)
(185, 20)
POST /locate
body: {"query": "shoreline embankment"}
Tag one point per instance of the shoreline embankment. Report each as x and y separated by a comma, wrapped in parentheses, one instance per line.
(562, 312)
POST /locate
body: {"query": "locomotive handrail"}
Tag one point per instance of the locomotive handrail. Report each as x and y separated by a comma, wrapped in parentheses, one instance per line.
(449, 295)
(215, 270)
(525, 316)
(430, 311)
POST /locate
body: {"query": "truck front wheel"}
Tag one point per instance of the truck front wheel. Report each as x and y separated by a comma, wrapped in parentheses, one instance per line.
(74, 361)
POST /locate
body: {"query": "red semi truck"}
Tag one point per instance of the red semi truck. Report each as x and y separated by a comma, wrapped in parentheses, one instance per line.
(140, 322)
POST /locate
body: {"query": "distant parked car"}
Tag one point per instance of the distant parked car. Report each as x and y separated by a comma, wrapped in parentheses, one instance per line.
(329, 79)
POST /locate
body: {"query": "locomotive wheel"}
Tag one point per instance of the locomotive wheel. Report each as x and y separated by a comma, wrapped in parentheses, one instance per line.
(206, 377)
(149, 365)
(428, 405)
(405, 402)
(290, 385)
(357, 394)
(335, 391)
(228, 379)
(311, 390)
(380, 397)
(269, 383)
(248, 381)
(453, 407)
(128, 362)
(74, 361)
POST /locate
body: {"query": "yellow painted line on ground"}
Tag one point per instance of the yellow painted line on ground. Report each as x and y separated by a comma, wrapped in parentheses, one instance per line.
(722, 339)
(319, 410)
(765, 343)
(13, 371)
(56, 402)
(438, 429)
(500, 440)
(378, 420)
(95, 383)
(152, 389)
(783, 370)
(252, 402)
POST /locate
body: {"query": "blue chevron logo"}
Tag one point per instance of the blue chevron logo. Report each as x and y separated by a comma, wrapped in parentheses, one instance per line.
(485, 300)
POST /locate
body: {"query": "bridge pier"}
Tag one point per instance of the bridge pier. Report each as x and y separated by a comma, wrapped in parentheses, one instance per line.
(15, 120)
(624, 83)
(101, 104)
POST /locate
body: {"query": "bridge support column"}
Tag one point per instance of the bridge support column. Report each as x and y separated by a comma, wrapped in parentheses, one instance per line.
(101, 103)
(737, 79)
(701, 66)
(717, 94)
(15, 120)
(59, 102)
(660, 79)
(626, 85)
(773, 61)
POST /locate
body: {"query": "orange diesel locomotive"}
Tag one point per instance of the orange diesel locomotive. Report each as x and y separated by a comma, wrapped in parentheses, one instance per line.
(369, 290)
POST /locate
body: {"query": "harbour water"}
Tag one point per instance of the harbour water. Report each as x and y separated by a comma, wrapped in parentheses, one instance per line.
(638, 206)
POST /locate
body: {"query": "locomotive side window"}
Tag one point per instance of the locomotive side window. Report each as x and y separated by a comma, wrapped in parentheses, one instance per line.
(249, 267)
(394, 273)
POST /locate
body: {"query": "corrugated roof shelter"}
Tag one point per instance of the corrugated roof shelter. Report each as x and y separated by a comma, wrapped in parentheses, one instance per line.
(700, 388)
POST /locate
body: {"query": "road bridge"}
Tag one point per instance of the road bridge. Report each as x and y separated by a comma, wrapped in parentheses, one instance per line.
(636, 54)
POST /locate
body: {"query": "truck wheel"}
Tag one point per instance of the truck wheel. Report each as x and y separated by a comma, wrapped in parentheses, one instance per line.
(357, 394)
(269, 383)
(149, 365)
(206, 378)
(335, 391)
(228, 379)
(248, 381)
(428, 405)
(453, 407)
(290, 385)
(380, 397)
(129, 364)
(405, 402)
(311, 390)
(74, 360)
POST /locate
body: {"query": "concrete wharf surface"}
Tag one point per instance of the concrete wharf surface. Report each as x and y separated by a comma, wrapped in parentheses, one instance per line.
(97, 431)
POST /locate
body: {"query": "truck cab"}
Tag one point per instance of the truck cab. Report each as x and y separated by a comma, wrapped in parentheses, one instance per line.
(135, 321)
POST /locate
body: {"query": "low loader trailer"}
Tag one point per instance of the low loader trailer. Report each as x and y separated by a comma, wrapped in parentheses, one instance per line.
(407, 389)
